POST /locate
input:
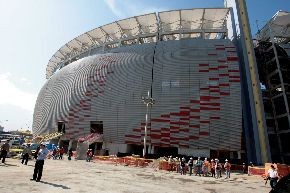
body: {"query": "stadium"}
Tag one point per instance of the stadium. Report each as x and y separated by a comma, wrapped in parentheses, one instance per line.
(183, 60)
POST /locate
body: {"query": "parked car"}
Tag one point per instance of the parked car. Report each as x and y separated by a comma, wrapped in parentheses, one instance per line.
(283, 185)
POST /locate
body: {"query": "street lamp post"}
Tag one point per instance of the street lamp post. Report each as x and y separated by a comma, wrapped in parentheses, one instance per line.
(148, 101)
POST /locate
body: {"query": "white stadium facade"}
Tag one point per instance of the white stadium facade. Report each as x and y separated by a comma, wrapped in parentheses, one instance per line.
(183, 58)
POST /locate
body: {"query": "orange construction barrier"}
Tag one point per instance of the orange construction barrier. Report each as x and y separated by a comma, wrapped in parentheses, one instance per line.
(256, 171)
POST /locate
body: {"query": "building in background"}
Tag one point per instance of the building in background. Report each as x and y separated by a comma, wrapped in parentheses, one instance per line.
(184, 58)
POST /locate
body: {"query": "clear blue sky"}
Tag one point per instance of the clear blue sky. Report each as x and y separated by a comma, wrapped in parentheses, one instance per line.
(31, 31)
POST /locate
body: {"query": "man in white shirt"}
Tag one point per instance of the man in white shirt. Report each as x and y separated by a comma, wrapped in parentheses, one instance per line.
(39, 163)
(273, 176)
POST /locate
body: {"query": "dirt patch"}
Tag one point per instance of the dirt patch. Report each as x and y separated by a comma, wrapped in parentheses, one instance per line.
(210, 182)
(211, 190)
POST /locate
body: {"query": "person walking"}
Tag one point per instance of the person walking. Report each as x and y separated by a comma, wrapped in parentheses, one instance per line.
(182, 166)
(244, 168)
(218, 169)
(54, 153)
(205, 166)
(38, 168)
(273, 176)
(25, 154)
(190, 165)
(212, 168)
(70, 154)
(61, 152)
(89, 155)
(198, 165)
(177, 164)
(4, 151)
(227, 167)
(170, 163)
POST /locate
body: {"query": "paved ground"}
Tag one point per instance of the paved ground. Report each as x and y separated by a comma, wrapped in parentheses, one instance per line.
(81, 176)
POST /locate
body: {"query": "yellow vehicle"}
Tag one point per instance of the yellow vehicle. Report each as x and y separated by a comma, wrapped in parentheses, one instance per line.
(14, 152)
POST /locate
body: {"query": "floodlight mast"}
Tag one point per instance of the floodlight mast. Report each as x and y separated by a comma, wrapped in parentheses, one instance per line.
(148, 101)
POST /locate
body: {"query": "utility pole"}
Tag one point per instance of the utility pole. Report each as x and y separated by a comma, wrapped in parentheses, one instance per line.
(148, 101)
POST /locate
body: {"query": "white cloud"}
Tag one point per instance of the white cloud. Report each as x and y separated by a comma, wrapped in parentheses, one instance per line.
(126, 8)
(25, 80)
(113, 7)
(12, 95)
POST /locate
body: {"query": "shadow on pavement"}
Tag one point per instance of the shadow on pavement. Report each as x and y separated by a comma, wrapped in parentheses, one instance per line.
(55, 185)
(6, 165)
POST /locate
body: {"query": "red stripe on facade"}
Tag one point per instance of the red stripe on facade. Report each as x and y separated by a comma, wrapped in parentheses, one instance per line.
(211, 104)
(209, 108)
(184, 130)
(160, 120)
(194, 110)
(232, 58)
(208, 98)
(217, 91)
(193, 137)
(194, 126)
(225, 93)
(165, 140)
(194, 117)
(179, 123)
(224, 84)
(165, 135)
(203, 65)
(173, 127)
(184, 113)
(204, 133)
(203, 70)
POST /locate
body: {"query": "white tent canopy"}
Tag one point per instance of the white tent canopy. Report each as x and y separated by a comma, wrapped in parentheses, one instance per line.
(150, 27)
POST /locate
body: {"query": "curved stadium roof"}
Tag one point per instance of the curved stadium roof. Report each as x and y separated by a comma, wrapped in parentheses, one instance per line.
(143, 29)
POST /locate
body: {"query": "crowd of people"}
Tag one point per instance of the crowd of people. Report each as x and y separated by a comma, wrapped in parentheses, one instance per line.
(200, 167)
(57, 153)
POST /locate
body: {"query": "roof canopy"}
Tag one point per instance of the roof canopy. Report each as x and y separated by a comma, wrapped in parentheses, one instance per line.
(277, 27)
(149, 28)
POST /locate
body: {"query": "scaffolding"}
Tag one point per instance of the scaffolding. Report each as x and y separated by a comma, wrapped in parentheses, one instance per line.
(273, 59)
